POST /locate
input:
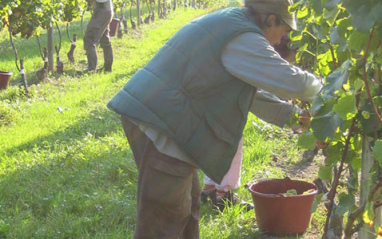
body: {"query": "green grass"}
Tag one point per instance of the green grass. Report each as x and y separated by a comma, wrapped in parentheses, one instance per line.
(66, 170)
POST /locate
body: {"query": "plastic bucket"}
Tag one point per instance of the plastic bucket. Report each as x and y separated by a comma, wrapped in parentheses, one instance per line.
(281, 215)
(114, 27)
(5, 77)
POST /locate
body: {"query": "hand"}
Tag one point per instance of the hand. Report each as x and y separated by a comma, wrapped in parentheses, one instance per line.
(321, 145)
(304, 119)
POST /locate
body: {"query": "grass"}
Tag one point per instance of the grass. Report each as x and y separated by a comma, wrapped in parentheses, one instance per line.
(66, 170)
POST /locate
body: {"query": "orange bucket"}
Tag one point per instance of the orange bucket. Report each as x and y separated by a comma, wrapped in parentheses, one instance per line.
(281, 215)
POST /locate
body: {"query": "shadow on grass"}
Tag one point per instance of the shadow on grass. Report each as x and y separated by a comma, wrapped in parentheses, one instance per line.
(71, 184)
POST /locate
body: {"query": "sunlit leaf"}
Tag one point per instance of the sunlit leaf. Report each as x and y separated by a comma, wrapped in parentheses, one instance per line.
(336, 79)
(346, 107)
(358, 84)
(368, 215)
(365, 114)
(302, 13)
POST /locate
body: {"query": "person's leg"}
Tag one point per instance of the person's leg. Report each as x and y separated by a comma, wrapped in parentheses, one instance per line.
(191, 230)
(231, 179)
(223, 194)
(96, 27)
(107, 50)
(168, 191)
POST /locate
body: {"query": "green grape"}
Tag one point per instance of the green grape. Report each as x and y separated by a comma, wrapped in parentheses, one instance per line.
(365, 114)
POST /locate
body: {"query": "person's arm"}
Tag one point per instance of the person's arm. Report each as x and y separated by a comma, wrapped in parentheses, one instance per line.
(251, 58)
(272, 109)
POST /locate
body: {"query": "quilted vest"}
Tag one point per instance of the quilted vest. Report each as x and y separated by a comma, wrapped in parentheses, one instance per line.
(185, 92)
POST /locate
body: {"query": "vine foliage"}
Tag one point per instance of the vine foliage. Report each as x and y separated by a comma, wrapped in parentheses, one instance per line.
(340, 40)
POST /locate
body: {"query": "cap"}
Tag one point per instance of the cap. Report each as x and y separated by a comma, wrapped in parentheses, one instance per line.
(279, 8)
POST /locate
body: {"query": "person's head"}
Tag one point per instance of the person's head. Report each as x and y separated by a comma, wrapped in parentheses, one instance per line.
(273, 17)
(284, 50)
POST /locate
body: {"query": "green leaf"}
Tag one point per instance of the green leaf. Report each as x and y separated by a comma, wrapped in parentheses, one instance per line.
(325, 173)
(346, 107)
(302, 12)
(331, 15)
(307, 140)
(365, 114)
(325, 126)
(357, 40)
(346, 202)
(377, 151)
(357, 163)
(343, 26)
(352, 183)
(316, 202)
(331, 4)
(317, 105)
(316, 6)
(336, 79)
(366, 16)
(358, 84)
(334, 153)
(335, 37)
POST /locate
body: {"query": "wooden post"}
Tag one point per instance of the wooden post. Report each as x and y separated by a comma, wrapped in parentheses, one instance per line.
(367, 163)
(139, 17)
(50, 50)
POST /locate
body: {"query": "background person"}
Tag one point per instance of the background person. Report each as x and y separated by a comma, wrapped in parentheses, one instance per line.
(97, 31)
(187, 107)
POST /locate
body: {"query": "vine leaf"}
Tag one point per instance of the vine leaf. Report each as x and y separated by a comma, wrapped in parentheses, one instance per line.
(331, 4)
(336, 79)
(357, 163)
(317, 6)
(346, 202)
(307, 140)
(316, 202)
(325, 126)
(335, 37)
(325, 173)
(346, 107)
(377, 151)
(365, 17)
(334, 154)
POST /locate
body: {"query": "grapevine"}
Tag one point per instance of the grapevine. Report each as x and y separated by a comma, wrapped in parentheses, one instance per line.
(340, 40)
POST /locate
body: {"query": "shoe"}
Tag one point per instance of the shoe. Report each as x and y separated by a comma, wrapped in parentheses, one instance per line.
(230, 199)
